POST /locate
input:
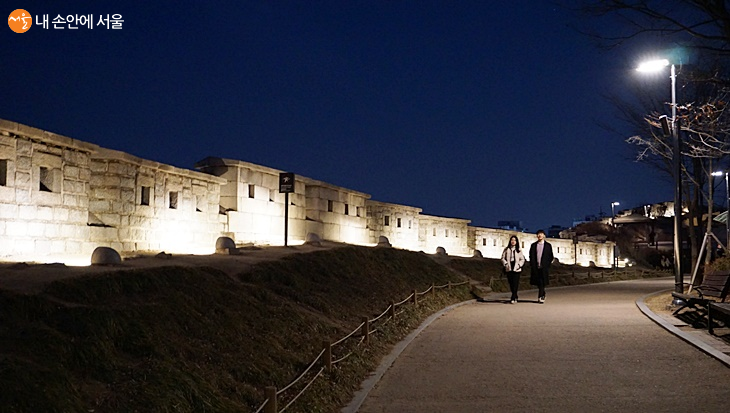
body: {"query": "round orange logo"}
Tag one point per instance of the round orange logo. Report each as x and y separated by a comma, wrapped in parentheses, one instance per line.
(20, 21)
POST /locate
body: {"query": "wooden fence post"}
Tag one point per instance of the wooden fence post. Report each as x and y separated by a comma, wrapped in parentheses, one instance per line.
(270, 394)
(448, 285)
(415, 297)
(366, 330)
(392, 309)
(433, 290)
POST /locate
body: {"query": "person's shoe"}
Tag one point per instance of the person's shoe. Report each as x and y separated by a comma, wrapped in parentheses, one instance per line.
(541, 300)
(513, 302)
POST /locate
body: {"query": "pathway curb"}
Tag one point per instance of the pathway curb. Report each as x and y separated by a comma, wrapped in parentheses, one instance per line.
(706, 348)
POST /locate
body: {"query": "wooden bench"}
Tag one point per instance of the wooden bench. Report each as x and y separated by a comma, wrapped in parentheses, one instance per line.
(717, 311)
(715, 284)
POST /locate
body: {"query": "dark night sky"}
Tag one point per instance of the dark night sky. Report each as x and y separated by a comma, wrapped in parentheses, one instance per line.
(461, 108)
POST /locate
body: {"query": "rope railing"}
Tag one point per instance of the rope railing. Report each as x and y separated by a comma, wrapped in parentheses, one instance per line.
(381, 315)
(358, 328)
(409, 298)
(316, 359)
(365, 330)
(426, 292)
(342, 358)
(319, 373)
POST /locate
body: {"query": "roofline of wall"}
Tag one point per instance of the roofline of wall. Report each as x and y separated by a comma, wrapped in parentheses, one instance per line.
(438, 218)
(216, 161)
(111, 154)
(48, 137)
(416, 209)
(212, 161)
(314, 182)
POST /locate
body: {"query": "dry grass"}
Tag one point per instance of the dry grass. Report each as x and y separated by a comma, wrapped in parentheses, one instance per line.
(196, 339)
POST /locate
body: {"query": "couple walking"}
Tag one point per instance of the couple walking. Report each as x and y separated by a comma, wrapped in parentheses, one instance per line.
(541, 256)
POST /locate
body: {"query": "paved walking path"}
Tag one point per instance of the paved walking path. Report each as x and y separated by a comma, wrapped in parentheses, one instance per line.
(587, 349)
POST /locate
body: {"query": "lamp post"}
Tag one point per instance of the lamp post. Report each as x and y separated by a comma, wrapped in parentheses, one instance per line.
(613, 224)
(653, 66)
(727, 213)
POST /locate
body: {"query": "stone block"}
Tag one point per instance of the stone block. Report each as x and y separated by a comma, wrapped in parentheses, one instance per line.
(24, 147)
(85, 174)
(58, 247)
(22, 196)
(128, 195)
(22, 180)
(16, 228)
(111, 180)
(71, 172)
(7, 152)
(96, 180)
(127, 182)
(51, 230)
(106, 193)
(74, 247)
(27, 212)
(7, 195)
(110, 219)
(70, 201)
(44, 213)
(103, 234)
(78, 216)
(76, 157)
(116, 207)
(98, 167)
(46, 198)
(36, 229)
(42, 247)
(100, 206)
(75, 187)
(47, 160)
(23, 246)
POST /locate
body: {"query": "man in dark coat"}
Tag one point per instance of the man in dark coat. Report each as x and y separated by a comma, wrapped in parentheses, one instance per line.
(541, 256)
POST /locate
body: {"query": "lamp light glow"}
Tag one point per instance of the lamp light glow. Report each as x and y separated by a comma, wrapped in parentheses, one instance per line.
(652, 65)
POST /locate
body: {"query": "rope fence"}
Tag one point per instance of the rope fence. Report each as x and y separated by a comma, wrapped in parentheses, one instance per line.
(362, 332)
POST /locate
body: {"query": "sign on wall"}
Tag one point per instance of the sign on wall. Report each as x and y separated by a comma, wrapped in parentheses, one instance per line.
(286, 182)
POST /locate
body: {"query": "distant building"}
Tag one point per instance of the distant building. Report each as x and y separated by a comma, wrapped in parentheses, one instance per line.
(511, 225)
(554, 231)
(588, 218)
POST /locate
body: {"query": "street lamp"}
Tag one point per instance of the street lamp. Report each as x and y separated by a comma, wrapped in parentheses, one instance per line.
(613, 224)
(727, 210)
(613, 213)
(654, 66)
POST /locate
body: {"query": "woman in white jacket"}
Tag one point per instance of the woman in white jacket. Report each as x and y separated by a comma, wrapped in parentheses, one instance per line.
(513, 259)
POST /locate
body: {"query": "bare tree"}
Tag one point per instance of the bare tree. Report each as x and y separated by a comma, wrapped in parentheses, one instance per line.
(701, 24)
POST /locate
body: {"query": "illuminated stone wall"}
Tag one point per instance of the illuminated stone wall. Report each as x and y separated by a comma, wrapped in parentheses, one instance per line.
(141, 205)
(43, 194)
(450, 233)
(399, 223)
(60, 198)
(491, 242)
(254, 207)
(336, 213)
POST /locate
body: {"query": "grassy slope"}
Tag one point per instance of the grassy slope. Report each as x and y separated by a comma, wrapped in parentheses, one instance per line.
(195, 340)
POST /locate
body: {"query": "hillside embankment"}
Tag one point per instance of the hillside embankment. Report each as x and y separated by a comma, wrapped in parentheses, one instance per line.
(184, 337)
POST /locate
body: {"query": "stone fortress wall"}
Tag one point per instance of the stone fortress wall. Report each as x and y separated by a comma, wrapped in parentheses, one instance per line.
(61, 198)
